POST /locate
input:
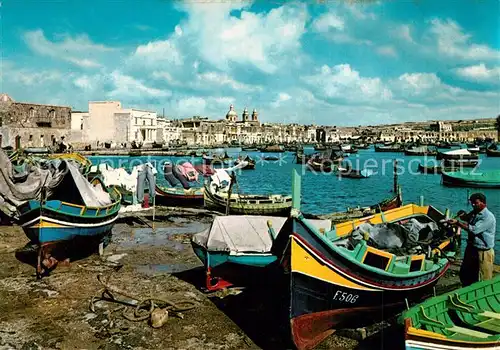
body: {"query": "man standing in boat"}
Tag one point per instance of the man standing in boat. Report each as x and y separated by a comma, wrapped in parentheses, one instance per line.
(479, 255)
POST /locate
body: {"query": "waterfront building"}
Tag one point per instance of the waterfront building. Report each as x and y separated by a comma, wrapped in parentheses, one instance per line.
(107, 121)
(24, 124)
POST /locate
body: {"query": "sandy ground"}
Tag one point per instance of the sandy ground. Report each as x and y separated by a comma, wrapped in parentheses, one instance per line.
(54, 312)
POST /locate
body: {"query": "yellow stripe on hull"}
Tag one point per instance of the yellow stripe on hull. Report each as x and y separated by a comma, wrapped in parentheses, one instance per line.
(45, 224)
(305, 263)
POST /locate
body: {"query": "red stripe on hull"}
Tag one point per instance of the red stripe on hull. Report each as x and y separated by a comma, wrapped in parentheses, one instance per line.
(311, 329)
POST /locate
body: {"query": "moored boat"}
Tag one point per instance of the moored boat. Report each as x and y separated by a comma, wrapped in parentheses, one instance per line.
(75, 211)
(179, 197)
(354, 173)
(272, 149)
(467, 318)
(336, 280)
(391, 148)
(458, 154)
(234, 245)
(430, 169)
(483, 179)
(250, 163)
(493, 151)
(420, 151)
(218, 192)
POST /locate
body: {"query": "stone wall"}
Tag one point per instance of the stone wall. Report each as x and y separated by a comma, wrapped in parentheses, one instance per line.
(33, 125)
(121, 127)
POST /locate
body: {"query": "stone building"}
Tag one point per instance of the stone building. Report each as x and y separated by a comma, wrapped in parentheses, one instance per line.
(24, 124)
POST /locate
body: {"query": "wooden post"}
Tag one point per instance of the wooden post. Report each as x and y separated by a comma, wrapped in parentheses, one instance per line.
(395, 172)
(295, 189)
(233, 180)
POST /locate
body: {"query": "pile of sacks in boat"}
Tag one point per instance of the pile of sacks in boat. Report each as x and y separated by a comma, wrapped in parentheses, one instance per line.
(397, 238)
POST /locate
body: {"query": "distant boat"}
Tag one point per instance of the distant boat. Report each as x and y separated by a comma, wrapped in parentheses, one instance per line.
(250, 163)
(392, 148)
(179, 197)
(485, 179)
(354, 173)
(272, 148)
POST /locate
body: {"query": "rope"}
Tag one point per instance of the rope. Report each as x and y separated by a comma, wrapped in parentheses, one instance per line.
(139, 314)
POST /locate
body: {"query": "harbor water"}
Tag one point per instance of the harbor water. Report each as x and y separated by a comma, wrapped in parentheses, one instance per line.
(324, 193)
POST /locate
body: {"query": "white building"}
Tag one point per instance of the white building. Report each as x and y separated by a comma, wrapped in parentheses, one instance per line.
(167, 132)
(107, 121)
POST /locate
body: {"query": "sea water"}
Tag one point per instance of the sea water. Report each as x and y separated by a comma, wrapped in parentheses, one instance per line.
(324, 193)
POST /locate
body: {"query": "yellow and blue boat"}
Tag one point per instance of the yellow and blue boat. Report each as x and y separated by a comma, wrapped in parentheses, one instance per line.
(334, 280)
(55, 222)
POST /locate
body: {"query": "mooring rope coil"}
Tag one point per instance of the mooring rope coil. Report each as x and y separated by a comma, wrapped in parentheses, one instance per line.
(139, 313)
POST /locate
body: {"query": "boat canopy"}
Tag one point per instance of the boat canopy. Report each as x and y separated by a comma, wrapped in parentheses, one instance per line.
(245, 233)
(459, 152)
(61, 179)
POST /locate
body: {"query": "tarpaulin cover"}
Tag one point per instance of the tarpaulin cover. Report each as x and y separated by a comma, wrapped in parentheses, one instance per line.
(21, 184)
(244, 233)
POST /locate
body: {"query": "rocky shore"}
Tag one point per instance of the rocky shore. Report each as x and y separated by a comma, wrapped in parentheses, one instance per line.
(55, 312)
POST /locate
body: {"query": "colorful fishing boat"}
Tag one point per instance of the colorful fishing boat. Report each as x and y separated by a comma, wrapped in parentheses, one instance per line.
(337, 280)
(83, 213)
(321, 165)
(177, 196)
(483, 179)
(235, 245)
(458, 154)
(467, 318)
(420, 151)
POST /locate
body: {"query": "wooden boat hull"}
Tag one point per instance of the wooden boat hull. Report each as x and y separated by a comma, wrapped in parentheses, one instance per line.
(492, 153)
(454, 181)
(60, 221)
(467, 318)
(179, 197)
(247, 205)
(462, 163)
(331, 289)
(346, 300)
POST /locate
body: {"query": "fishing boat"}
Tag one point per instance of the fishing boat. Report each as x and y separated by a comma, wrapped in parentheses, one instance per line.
(349, 149)
(272, 149)
(321, 165)
(420, 151)
(354, 173)
(271, 158)
(83, 163)
(76, 212)
(301, 157)
(493, 151)
(458, 154)
(349, 277)
(483, 179)
(460, 163)
(218, 191)
(235, 245)
(467, 318)
(391, 148)
(319, 147)
(250, 163)
(179, 197)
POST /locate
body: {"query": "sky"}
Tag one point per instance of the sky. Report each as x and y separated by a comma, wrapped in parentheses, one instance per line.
(313, 62)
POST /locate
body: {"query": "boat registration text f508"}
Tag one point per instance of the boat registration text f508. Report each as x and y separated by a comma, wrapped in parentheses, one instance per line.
(345, 297)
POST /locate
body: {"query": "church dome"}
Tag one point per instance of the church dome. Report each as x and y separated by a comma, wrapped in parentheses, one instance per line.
(231, 112)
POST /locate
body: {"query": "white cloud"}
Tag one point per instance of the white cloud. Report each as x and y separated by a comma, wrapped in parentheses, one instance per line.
(479, 73)
(78, 50)
(453, 42)
(261, 40)
(29, 77)
(341, 82)
(413, 84)
(404, 32)
(127, 86)
(387, 50)
(211, 79)
(328, 21)
(157, 53)
(282, 97)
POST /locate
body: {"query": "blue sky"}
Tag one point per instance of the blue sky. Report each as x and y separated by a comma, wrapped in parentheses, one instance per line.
(332, 63)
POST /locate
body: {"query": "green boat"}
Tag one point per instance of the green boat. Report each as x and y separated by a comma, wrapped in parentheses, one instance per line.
(484, 179)
(467, 318)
